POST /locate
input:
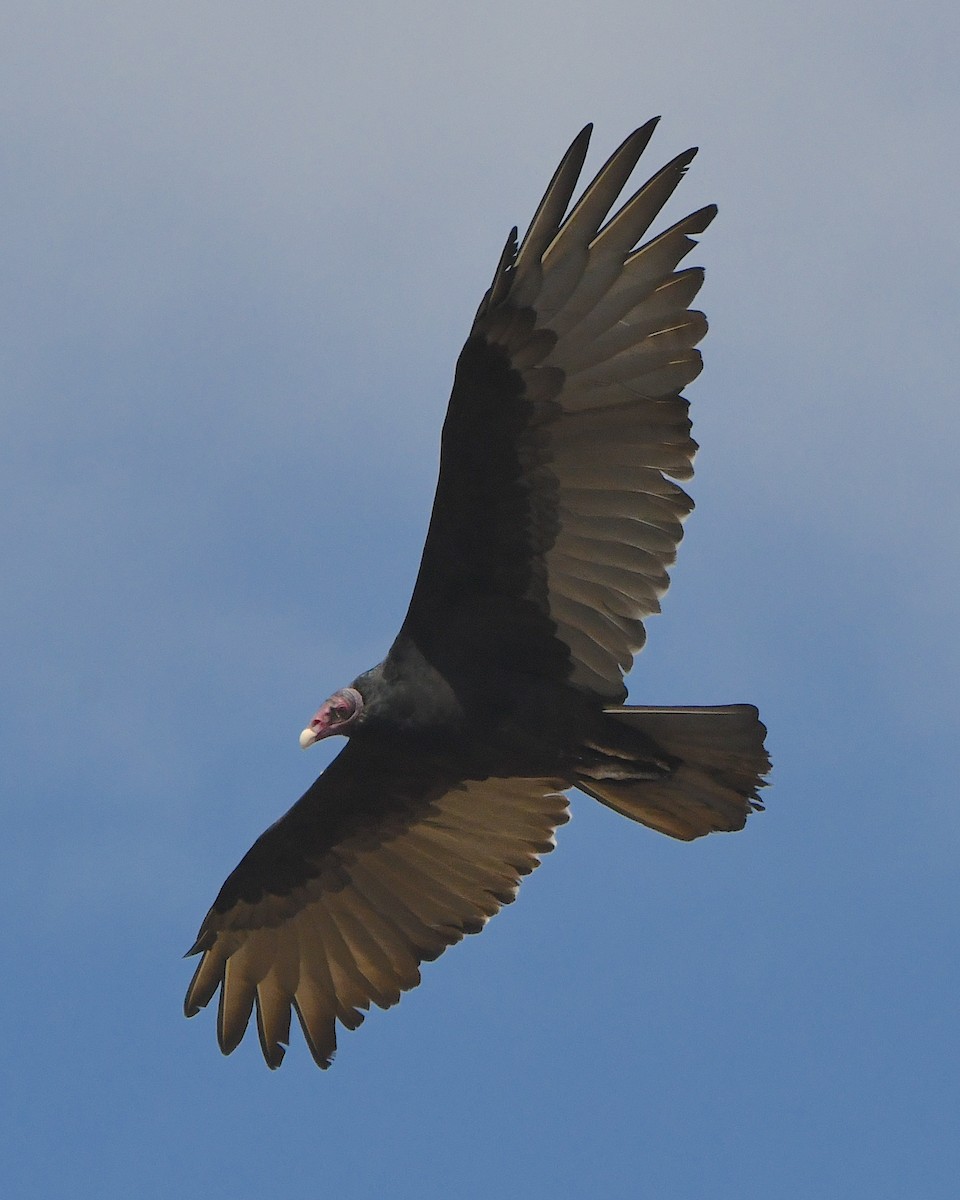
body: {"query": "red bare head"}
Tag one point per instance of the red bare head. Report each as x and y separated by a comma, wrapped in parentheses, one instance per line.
(335, 715)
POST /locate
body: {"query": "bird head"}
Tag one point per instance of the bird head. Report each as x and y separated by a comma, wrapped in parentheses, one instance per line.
(335, 715)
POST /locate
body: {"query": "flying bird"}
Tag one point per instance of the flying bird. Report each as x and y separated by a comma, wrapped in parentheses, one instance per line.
(555, 519)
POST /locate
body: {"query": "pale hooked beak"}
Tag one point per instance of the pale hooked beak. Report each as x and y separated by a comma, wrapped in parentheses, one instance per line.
(334, 716)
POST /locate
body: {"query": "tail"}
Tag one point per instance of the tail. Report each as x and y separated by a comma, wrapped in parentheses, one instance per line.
(718, 761)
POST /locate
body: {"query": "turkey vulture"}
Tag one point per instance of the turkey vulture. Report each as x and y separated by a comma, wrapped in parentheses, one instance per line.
(552, 529)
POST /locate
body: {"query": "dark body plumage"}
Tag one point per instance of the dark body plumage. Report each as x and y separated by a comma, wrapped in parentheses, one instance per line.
(552, 528)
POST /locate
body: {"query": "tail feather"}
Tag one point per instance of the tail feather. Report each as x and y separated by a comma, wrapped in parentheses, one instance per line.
(714, 786)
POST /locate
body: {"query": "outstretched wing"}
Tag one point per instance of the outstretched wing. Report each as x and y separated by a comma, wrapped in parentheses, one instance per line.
(555, 520)
(377, 868)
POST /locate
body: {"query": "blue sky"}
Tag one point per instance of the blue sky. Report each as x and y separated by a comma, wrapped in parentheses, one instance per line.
(242, 246)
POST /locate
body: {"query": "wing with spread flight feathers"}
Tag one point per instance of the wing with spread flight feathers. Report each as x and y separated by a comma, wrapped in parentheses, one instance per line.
(556, 515)
(380, 866)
